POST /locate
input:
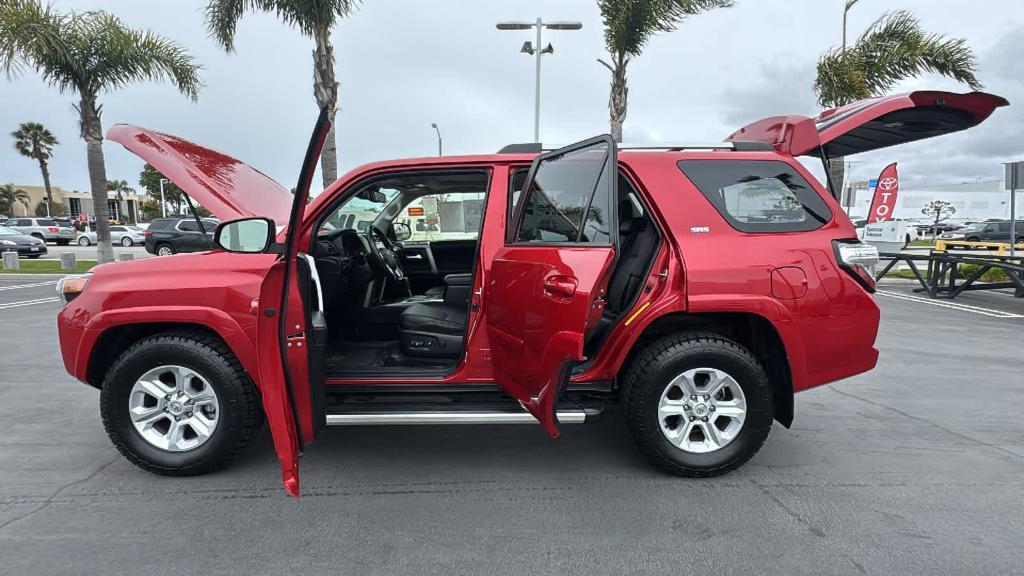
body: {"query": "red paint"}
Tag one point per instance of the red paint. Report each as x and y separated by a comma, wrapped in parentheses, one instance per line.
(884, 202)
(534, 304)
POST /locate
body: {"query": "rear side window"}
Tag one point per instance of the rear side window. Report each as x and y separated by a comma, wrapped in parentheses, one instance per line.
(568, 199)
(758, 195)
(45, 223)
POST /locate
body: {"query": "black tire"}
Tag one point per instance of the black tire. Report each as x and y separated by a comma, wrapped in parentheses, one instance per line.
(657, 364)
(34, 256)
(39, 236)
(84, 241)
(240, 411)
(162, 245)
(63, 242)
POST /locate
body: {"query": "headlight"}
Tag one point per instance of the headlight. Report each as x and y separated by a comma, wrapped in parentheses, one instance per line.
(7, 243)
(70, 286)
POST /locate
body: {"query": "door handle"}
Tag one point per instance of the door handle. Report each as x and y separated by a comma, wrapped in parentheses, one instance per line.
(560, 285)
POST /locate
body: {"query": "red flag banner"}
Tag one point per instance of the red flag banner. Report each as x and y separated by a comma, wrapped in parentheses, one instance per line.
(884, 202)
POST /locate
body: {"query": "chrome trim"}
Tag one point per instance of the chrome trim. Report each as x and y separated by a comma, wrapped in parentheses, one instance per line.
(396, 418)
(691, 146)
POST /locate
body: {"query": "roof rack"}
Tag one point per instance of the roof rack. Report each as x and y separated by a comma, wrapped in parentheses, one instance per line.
(738, 146)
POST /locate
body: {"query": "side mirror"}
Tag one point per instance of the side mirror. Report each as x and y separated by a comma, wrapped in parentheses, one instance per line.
(401, 231)
(248, 235)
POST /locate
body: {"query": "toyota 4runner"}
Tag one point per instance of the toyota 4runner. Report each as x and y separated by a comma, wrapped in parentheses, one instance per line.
(696, 288)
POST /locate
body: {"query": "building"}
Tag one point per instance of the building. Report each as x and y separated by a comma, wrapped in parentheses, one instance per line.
(974, 201)
(77, 203)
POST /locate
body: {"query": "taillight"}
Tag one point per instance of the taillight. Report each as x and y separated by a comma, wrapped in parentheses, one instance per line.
(53, 229)
(858, 260)
(147, 233)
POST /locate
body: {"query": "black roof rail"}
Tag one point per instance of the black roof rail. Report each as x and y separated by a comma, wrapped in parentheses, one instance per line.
(527, 148)
(738, 146)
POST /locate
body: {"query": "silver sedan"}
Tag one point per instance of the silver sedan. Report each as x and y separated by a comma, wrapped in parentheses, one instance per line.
(123, 235)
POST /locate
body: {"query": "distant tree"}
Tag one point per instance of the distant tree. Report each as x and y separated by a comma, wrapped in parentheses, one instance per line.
(119, 188)
(88, 54)
(9, 196)
(150, 209)
(33, 140)
(894, 48)
(939, 211)
(314, 19)
(628, 25)
(43, 210)
(150, 178)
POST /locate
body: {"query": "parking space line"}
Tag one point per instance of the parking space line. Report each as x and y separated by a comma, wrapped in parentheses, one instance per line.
(28, 303)
(952, 305)
(36, 285)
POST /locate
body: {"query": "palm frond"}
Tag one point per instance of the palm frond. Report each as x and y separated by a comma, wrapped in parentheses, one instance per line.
(222, 16)
(892, 49)
(629, 24)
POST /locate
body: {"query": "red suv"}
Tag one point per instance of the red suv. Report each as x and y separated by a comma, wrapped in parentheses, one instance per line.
(696, 287)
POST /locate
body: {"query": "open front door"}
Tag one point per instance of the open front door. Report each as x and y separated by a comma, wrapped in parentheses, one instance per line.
(547, 284)
(292, 397)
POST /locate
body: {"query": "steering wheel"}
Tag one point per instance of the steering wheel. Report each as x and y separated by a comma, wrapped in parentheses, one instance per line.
(382, 256)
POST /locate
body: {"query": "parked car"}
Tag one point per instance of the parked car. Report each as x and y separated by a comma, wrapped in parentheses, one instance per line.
(659, 280)
(166, 236)
(46, 229)
(120, 234)
(988, 231)
(23, 244)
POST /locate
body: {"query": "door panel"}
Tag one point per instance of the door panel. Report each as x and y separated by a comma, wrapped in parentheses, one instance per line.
(546, 286)
(284, 327)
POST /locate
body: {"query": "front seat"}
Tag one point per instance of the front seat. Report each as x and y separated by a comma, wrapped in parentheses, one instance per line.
(434, 329)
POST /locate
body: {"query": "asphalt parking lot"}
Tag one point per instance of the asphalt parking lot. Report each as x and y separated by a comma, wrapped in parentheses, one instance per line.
(914, 468)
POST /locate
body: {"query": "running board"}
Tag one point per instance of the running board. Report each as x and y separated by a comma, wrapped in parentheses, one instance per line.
(430, 417)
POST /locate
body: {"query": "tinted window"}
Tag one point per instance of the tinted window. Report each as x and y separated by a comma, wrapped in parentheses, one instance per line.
(161, 224)
(188, 226)
(45, 223)
(567, 200)
(758, 195)
(117, 228)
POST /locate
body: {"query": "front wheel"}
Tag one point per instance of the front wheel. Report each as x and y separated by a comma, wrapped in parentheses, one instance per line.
(179, 404)
(83, 241)
(697, 405)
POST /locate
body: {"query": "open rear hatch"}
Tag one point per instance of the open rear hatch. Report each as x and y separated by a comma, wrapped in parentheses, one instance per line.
(227, 187)
(873, 123)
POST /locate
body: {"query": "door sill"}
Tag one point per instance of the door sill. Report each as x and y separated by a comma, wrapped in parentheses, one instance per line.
(431, 417)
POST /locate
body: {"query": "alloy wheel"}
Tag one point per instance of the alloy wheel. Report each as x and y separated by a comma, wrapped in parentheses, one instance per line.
(702, 410)
(174, 408)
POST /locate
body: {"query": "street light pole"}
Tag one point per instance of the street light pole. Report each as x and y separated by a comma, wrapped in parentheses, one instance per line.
(536, 51)
(163, 203)
(440, 147)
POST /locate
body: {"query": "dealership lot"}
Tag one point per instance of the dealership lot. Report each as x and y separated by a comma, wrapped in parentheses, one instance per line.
(915, 467)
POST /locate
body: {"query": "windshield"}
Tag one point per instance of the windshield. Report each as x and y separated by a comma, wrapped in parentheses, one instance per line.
(359, 212)
(7, 232)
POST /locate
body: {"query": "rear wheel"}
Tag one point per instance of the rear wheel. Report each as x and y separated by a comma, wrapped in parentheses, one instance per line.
(179, 404)
(164, 250)
(697, 405)
(39, 236)
(63, 242)
(126, 242)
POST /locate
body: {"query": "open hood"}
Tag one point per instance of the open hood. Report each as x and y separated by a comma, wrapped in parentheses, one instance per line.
(873, 123)
(228, 188)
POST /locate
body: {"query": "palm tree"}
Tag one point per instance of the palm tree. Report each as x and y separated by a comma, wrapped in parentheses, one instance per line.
(314, 19)
(89, 53)
(894, 48)
(33, 140)
(9, 195)
(119, 188)
(628, 25)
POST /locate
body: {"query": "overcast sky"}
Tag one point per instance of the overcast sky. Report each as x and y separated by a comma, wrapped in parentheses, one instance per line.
(403, 64)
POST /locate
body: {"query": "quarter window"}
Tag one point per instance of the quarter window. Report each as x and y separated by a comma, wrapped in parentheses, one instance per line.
(758, 195)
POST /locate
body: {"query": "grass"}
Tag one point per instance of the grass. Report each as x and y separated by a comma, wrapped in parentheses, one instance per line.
(51, 266)
(921, 244)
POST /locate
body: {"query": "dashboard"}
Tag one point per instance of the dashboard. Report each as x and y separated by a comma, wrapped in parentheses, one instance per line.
(341, 263)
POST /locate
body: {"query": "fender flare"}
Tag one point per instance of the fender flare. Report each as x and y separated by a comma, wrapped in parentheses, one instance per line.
(218, 321)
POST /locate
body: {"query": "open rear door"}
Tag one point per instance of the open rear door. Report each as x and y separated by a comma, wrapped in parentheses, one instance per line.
(546, 286)
(291, 395)
(873, 123)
